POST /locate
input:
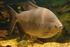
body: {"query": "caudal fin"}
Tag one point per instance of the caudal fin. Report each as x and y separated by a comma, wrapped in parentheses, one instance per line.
(12, 11)
(13, 16)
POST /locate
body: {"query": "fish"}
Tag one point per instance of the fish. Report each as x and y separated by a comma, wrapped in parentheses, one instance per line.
(39, 22)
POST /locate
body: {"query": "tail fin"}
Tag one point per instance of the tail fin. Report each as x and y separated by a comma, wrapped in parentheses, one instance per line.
(13, 15)
(12, 11)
